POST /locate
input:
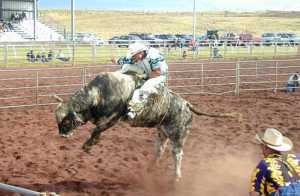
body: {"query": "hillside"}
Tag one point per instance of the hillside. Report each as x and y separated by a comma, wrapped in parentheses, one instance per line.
(107, 24)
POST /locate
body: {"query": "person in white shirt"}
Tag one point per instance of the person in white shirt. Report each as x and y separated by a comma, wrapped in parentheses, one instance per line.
(293, 82)
(60, 56)
(151, 64)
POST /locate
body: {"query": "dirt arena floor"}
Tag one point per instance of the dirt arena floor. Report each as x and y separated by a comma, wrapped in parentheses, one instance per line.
(219, 154)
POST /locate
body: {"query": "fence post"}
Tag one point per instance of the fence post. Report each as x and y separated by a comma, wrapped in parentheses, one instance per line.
(225, 49)
(5, 54)
(276, 77)
(53, 54)
(73, 58)
(237, 81)
(210, 51)
(251, 50)
(83, 76)
(202, 74)
(94, 53)
(37, 88)
(298, 49)
(165, 47)
(275, 50)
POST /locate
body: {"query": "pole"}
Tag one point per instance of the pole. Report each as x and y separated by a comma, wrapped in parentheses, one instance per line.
(73, 18)
(73, 30)
(194, 31)
(35, 17)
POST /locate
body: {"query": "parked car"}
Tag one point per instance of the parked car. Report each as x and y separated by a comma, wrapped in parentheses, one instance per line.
(185, 37)
(85, 37)
(98, 42)
(169, 38)
(112, 40)
(126, 40)
(153, 41)
(247, 38)
(270, 38)
(90, 38)
(209, 36)
(292, 38)
(230, 38)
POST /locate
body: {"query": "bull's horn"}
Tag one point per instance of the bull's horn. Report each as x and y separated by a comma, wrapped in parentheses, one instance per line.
(79, 120)
(58, 99)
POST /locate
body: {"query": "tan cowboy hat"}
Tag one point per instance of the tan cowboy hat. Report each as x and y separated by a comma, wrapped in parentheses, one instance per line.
(135, 48)
(274, 139)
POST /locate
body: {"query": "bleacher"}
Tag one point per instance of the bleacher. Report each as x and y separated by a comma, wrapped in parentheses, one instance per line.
(24, 31)
(11, 37)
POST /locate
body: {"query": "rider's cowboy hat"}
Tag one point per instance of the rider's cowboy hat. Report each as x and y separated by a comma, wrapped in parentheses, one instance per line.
(274, 139)
(135, 48)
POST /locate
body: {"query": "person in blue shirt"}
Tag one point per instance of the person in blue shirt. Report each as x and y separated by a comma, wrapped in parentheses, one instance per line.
(268, 176)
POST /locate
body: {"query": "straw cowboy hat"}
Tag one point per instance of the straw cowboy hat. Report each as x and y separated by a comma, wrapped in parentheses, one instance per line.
(274, 139)
(135, 48)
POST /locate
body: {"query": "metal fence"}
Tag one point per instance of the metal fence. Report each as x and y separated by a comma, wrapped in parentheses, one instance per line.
(32, 87)
(15, 54)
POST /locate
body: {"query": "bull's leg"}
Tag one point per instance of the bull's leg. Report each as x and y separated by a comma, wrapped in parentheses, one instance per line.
(94, 139)
(161, 144)
(177, 153)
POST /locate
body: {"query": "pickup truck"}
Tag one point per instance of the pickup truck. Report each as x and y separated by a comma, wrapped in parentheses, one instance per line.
(247, 38)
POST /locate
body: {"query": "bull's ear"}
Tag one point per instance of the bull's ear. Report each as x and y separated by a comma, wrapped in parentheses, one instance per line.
(57, 98)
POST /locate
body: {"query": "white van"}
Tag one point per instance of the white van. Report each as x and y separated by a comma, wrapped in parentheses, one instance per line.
(89, 38)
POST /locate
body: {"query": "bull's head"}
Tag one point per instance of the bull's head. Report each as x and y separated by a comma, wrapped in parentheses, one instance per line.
(66, 118)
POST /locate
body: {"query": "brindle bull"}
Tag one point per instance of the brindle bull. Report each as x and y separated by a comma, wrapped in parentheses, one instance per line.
(103, 102)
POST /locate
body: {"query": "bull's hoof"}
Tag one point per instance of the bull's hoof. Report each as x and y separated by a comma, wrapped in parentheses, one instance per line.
(176, 177)
(86, 148)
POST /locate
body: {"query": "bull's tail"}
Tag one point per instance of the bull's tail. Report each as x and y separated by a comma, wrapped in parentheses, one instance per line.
(225, 115)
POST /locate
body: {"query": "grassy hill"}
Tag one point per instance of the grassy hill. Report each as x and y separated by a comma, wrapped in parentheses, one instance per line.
(107, 24)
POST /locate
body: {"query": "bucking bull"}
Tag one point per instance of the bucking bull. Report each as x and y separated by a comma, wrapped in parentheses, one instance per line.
(104, 103)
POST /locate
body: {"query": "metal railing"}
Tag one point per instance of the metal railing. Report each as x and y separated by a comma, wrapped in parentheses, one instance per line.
(14, 54)
(54, 24)
(32, 87)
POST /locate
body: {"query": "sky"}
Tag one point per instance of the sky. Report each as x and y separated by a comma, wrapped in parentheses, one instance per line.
(174, 5)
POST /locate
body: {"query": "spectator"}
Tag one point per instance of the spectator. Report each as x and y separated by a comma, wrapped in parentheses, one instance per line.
(170, 52)
(44, 59)
(175, 42)
(12, 16)
(184, 55)
(276, 174)
(24, 16)
(50, 55)
(5, 27)
(179, 43)
(191, 45)
(30, 56)
(293, 82)
(10, 26)
(60, 56)
(38, 57)
(1, 29)
(20, 17)
(16, 17)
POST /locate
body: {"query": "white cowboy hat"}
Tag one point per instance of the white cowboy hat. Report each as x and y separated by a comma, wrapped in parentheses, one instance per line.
(274, 139)
(135, 48)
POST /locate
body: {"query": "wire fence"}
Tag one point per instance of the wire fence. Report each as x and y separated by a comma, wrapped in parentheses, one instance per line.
(33, 87)
(80, 53)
